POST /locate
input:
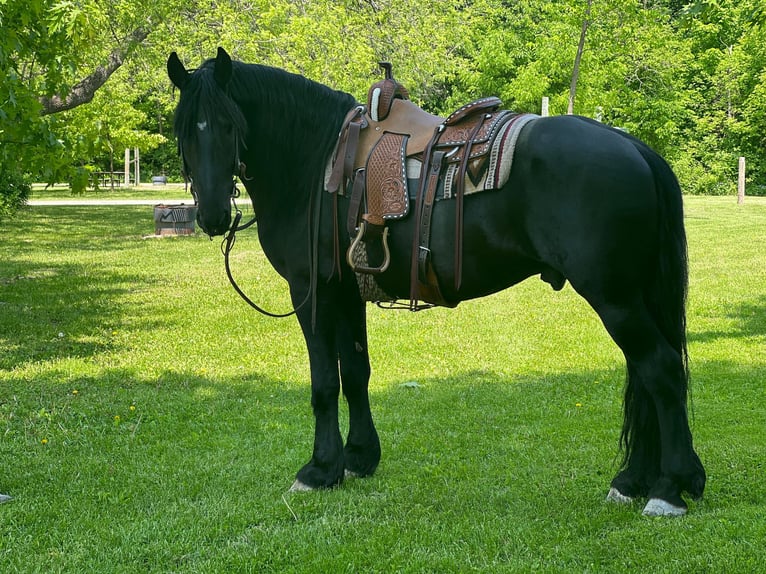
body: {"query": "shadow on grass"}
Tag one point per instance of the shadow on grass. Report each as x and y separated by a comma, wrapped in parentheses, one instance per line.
(181, 436)
(751, 319)
(60, 310)
(67, 279)
(119, 412)
(119, 430)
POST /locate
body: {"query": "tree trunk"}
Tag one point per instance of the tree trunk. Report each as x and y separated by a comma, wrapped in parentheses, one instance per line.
(578, 57)
(84, 90)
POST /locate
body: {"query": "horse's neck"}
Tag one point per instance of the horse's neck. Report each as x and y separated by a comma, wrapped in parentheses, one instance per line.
(288, 149)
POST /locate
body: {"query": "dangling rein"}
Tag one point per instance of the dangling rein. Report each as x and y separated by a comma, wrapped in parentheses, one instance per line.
(228, 244)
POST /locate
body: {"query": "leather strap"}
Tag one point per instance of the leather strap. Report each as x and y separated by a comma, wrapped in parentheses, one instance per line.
(343, 165)
(425, 169)
(336, 239)
(352, 144)
(459, 193)
(424, 235)
(357, 194)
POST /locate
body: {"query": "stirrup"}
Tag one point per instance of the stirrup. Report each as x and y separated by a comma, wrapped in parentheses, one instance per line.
(363, 268)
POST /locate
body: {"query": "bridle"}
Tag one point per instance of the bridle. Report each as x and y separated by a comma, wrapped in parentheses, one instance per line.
(240, 170)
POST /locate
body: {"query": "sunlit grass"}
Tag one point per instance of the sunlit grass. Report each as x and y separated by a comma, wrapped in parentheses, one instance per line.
(151, 422)
(144, 191)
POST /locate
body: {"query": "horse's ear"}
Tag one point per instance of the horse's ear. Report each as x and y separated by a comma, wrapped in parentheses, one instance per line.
(176, 72)
(222, 68)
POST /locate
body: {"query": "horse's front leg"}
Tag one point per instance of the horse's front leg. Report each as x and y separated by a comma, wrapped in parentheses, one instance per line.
(326, 467)
(362, 450)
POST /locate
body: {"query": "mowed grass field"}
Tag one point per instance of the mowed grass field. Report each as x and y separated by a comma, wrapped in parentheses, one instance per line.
(151, 422)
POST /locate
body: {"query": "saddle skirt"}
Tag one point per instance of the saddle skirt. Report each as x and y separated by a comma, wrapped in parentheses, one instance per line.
(492, 168)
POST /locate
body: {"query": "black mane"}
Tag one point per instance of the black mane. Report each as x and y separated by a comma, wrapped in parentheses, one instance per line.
(283, 119)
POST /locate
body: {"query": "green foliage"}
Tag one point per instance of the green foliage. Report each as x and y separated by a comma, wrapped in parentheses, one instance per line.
(149, 421)
(31, 65)
(14, 192)
(725, 81)
(687, 77)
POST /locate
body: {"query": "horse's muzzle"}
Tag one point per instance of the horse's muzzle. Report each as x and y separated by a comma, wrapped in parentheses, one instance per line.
(213, 224)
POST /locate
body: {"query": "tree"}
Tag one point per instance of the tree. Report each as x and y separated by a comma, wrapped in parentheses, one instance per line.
(54, 56)
(687, 77)
(724, 86)
(578, 58)
(84, 90)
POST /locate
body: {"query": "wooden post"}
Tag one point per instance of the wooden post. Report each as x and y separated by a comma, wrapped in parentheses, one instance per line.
(138, 169)
(127, 167)
(741, 182)
(544, 111)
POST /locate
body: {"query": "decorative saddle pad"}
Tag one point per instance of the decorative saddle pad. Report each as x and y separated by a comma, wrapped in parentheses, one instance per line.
(497, 165)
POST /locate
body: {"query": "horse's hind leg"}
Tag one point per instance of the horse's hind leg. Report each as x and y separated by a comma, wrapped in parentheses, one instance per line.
(660, 459)
(641, 466)
(362, 450)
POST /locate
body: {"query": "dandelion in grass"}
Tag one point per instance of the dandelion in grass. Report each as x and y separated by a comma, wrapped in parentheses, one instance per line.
(117, 419)
(132, 408)
(44, 441)
(578, 405)
(75, 392)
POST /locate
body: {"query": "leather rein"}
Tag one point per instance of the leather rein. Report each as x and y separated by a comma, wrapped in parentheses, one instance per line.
(228, 244)
(231, 235)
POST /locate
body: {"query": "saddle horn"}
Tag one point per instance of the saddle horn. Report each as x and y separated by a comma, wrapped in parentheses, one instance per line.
(383, 93)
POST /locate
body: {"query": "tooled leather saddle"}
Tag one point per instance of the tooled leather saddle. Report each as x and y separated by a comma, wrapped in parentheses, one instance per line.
(391, 141)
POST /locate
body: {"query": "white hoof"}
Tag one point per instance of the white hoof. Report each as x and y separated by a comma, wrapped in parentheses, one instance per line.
(350, 474)
(618, 497)
(298, 486)
(5, 498)
(659, 507)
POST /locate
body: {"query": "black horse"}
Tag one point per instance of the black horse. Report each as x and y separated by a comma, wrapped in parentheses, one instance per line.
(583, 203)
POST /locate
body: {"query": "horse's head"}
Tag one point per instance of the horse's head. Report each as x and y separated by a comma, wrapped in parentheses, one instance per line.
(210, 129)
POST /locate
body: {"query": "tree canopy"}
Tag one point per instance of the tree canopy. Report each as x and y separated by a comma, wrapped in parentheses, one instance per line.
(81, 80)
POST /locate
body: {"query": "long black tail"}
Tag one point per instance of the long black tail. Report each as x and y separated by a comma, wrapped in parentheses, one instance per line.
(665, 297)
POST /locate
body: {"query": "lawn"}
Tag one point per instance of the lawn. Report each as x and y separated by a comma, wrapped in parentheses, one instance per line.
(151, 422)
(144, 191)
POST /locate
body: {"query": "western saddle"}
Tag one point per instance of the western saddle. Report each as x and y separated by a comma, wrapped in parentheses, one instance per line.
(376, 149)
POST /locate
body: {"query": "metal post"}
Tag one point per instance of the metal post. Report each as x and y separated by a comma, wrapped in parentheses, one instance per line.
(544, 111)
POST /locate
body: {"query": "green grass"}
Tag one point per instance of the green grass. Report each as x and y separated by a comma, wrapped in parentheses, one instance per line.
(144, 191)
(151, 422)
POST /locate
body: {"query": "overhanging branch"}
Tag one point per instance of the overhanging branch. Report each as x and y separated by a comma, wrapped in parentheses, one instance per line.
(84, 90)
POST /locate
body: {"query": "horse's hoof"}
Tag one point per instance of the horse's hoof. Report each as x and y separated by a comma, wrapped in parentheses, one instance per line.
(298, 486)
(618, 497)
(659, 507)
(350, 474)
